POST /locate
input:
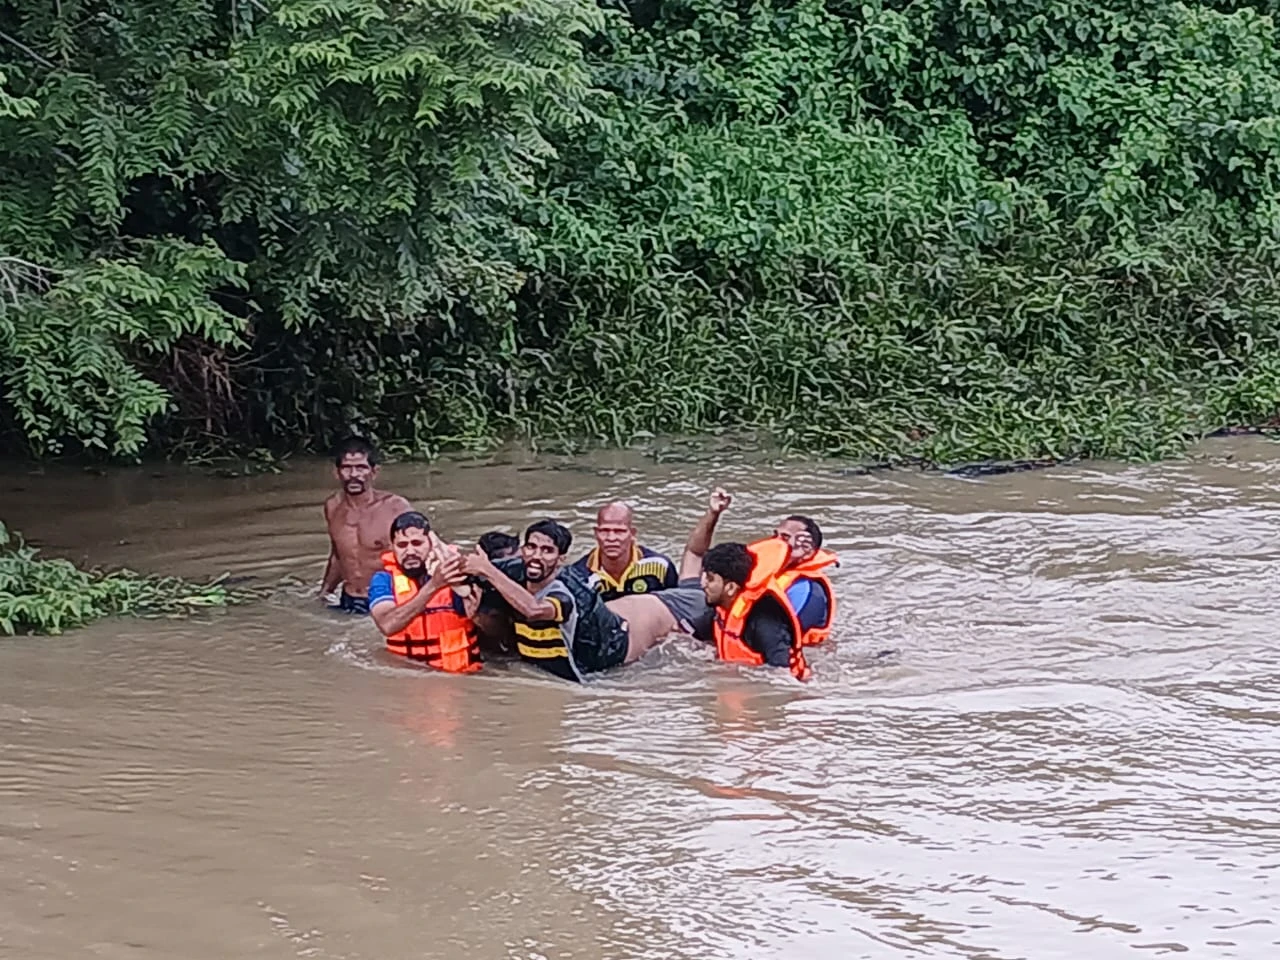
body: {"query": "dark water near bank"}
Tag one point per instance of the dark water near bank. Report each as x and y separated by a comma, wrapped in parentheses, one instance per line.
(1076, 753)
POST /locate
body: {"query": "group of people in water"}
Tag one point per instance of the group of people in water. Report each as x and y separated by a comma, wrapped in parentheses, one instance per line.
(759, 604)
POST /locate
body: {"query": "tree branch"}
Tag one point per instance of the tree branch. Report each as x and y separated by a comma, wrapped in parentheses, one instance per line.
(28, 51)
(15, 271)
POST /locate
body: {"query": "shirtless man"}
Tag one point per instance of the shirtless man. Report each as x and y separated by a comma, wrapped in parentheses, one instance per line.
(358, 518)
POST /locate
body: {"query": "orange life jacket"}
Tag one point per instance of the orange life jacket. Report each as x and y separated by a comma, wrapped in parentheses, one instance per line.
(811, 569)
(439, 636)
(770, 557)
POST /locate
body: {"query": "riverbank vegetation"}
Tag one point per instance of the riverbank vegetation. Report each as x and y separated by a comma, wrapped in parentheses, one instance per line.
(945, 229)
(47, 596)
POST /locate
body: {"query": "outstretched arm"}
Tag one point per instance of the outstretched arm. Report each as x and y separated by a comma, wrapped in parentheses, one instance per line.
(526, 606)
(700, 539)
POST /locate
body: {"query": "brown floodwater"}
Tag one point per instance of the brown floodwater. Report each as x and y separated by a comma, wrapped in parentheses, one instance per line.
(1074, 753)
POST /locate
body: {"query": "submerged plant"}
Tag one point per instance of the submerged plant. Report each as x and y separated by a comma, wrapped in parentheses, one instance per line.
(40, 595)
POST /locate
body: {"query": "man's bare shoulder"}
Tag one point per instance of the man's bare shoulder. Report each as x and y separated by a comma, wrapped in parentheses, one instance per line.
(331, 504)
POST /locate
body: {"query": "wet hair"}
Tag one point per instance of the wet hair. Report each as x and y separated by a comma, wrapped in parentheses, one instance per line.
(497, 544)
(731, 562)
(810, 526)
(355, 445)
(557, 533)
(410, 520)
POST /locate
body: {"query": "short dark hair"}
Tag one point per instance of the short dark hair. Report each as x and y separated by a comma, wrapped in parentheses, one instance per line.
(731, 562)
(410, 520)
(355, 445)
(557, 533)
(810, 525)
(497, 544)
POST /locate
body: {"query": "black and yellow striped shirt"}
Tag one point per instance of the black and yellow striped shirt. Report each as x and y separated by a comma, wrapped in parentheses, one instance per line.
(548, 644)
(648, 571)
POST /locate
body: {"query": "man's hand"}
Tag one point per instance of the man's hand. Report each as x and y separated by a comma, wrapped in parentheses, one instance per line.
(391, 618)
(477, 564)
(720, 501)
(700, 539)
(448, 573)
(443, 558)
(449, 570)
(523, 603)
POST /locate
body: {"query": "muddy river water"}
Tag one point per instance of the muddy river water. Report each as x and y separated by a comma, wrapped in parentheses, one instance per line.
(1075, 752)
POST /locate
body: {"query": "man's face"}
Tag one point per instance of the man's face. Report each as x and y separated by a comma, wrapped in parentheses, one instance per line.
(541, 557)
(615, 534)
(718, 591)
(355, 473)
(411, 546)
(795, 536)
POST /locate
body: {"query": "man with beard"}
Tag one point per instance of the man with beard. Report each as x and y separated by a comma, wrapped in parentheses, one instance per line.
(414, 599)
(619, 566)
(728, 595)
(752, 623)
(358, 517)
(561, 626)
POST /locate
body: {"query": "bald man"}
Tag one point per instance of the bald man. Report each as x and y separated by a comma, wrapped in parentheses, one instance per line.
(620, 567)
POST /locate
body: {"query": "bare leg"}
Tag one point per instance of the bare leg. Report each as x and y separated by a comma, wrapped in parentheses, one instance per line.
(649, 622)
(637, 647)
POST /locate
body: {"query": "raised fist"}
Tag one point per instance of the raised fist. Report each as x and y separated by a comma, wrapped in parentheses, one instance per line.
(720, 500)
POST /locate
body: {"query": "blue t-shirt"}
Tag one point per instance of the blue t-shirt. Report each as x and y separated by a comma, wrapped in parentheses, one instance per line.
(381, 588)
(808, 600)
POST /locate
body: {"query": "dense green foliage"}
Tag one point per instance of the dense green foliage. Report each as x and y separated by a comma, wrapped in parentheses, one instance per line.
(950, 228)
(42, 595)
